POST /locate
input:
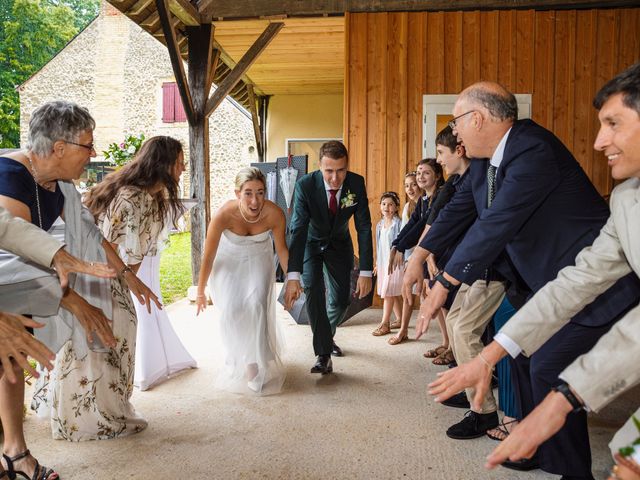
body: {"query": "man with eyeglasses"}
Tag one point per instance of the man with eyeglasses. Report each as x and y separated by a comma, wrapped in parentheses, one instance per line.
(538, 209)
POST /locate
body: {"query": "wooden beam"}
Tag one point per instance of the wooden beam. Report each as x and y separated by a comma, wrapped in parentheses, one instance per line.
(200, 60)
(176, 59)
(256, 124)
(225, 9)
(138, 7)
(243, 65)
(186, 12)
(215, 59)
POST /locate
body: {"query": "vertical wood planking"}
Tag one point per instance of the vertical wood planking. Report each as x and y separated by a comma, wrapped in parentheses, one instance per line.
(416, 78)
(525, 32)
(377, 107)
(453, 53)
(357, 93)
(471, 48)
(436, 53)
(346, 107)
(489, 28)
(629, 39)
(396, 152)
(565, 47)
(584, 87)
(543, 69)
(507, 49)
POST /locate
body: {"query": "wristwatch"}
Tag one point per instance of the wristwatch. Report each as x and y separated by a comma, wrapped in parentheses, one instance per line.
(564, 389)
(443, 281)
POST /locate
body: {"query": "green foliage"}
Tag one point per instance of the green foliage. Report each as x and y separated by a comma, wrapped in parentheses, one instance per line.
(31, 33)
(121, 154)
(175, 268)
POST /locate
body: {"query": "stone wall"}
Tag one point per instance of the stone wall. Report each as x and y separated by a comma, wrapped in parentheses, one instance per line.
(116, 70)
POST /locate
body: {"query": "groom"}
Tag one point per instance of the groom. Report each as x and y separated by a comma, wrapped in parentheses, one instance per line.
(320, 247)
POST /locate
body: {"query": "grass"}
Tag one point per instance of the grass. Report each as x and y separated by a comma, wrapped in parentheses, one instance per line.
(175, 268)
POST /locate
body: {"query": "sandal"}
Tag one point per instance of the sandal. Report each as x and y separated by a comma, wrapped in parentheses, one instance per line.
(445, 358)
(396, 324)
(501, 430)
(40, 472)
(396, 340)
(381, 330)
(435, 352)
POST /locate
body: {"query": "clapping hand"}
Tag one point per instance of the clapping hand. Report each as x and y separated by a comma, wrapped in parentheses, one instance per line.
(16, 343)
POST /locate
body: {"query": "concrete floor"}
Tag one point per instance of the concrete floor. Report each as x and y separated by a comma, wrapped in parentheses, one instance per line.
(371, 419)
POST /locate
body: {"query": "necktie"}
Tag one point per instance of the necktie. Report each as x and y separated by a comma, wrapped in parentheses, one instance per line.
(491, 184)
(333, 202)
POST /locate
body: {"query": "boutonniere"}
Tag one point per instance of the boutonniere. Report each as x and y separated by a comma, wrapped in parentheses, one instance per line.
(348, 200)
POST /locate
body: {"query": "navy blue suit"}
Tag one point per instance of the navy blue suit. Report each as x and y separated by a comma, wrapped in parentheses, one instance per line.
(544, 212)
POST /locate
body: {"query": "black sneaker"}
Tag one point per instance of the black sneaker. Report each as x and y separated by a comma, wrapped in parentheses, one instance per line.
(473, 425)
(459, 400)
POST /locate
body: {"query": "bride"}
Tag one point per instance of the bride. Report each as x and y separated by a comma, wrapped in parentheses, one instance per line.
(239, 247)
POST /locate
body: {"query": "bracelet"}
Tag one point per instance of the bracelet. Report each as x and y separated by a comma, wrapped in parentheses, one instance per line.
(201, 296)
(564, 389)
(491, 367)
(125, 269)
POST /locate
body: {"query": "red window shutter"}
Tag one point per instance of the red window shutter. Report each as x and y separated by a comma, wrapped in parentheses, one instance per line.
(180, 115)
(168, 102)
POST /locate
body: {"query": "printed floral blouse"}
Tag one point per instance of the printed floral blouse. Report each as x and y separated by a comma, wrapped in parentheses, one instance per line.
(133, 222)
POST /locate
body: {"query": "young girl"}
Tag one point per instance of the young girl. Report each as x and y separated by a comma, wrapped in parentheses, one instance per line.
(389, 286)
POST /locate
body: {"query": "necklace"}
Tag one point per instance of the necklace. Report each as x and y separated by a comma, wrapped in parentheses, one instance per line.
(245, 218)
(33, 174)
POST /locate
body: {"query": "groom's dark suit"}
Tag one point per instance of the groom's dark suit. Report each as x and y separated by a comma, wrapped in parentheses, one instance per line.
(320, 247)
(544, 212)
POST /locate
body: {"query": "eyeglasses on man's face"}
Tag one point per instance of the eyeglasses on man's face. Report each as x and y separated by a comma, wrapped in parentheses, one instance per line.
(90, 146)
(452, 123)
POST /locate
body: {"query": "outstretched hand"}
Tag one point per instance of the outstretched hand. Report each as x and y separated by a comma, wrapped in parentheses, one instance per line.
(143, 293)
(429, 307)
(18, 344)
(475, 374)
(412, 275)
(540, 425)
(64, 263)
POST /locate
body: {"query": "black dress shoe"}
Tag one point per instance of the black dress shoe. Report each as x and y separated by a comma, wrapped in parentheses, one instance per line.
(459, 400)
(573, 477)
(323, 365)
(336, 351)
(473, 425)
(523, 465)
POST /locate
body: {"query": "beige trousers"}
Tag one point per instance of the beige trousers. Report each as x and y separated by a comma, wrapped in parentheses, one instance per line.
(471, 312)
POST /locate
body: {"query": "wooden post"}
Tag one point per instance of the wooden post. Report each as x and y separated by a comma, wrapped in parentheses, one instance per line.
(201, 59)
(257, 131)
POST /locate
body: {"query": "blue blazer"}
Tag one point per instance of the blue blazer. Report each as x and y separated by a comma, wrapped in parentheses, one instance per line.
(544, 212)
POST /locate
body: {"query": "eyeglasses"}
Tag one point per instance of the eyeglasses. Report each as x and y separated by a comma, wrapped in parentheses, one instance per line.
(452, 123)
(90, 147)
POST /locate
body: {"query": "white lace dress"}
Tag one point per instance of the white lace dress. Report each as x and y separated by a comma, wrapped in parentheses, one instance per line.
(242, 289)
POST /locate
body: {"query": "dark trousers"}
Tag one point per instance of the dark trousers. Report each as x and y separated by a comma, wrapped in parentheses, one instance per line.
(568, 452)
(326, 279)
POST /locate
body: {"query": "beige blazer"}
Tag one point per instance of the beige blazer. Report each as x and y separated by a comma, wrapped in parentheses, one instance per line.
(26, 240)
(611, 367)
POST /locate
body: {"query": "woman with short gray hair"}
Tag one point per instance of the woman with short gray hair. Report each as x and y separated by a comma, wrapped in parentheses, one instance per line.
(35, 184)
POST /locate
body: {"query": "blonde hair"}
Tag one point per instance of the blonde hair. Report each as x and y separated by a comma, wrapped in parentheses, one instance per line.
(247, 174)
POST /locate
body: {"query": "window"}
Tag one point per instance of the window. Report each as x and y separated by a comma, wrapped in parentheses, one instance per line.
(172, 109)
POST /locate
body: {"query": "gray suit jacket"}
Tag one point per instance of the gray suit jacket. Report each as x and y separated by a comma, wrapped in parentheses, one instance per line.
(26, 240)
(611, 366)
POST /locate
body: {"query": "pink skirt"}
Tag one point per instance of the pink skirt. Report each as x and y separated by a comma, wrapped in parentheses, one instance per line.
(390, 285)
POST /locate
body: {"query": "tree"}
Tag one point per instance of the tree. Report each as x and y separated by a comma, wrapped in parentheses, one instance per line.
(31, 33)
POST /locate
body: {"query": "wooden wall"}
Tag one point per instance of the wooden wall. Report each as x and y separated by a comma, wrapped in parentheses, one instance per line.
(560, 57)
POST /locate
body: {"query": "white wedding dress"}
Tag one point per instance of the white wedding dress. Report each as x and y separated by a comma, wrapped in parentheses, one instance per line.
(242, 290)
(159, 351)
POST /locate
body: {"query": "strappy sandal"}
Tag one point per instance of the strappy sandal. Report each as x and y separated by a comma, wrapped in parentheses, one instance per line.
(435, 352)
(396, 324)
(445, 358)
(396, 340)
(503, 431)
(381, 330)
(40, 473)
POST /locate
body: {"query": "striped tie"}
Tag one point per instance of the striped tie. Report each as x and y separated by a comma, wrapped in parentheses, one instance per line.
(491, 184)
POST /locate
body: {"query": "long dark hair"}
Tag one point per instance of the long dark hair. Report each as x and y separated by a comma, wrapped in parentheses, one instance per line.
(152, 165)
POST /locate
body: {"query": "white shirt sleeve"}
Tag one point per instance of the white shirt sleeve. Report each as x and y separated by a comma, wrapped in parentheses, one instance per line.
(509, 345)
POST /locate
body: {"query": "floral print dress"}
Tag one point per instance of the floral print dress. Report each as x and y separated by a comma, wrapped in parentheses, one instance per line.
(89, 399)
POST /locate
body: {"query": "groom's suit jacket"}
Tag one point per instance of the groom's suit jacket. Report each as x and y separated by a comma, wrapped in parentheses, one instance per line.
(312, 231)
(611, 367)
(545, 211)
